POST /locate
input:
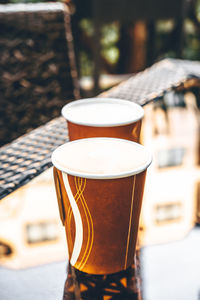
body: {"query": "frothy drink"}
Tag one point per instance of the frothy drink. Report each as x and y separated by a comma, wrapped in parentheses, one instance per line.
(105, 117)
(99, 184)
(101, 157)
(102, 112)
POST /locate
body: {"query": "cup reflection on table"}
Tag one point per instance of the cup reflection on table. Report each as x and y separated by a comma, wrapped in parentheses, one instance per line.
(103, 117)
(122, 285)
(99, 184)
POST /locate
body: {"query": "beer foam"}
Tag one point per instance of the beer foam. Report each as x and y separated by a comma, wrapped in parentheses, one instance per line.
(101, 158)
(102, 112)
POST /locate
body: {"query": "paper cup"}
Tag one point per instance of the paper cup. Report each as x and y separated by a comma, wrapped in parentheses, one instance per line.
(103, 117)
(99, 184)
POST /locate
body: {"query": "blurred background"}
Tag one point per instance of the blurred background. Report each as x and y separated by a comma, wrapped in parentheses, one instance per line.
(129, 37)
(106, 45)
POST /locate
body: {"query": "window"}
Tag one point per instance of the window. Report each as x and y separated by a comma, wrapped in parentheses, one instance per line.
(168, 212)
(170, 157)
(41, 232)
(174, 99)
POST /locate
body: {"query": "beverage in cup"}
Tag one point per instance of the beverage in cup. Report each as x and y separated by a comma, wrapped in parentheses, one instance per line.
(103, 117)
(99, 184)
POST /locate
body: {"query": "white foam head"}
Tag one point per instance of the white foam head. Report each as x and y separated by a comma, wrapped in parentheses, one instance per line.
(102, 112)
(101, 158)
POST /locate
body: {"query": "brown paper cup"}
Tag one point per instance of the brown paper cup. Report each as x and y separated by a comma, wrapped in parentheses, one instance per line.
(99, 184)
(103, 117)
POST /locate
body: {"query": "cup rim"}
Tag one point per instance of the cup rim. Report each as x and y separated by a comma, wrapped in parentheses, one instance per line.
(64, 111)
(113, 175)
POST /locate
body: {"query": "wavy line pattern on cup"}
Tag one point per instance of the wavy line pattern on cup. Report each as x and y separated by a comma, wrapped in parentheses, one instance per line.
(90, 232)
(80, 184)
(79, 190)
(78, 222)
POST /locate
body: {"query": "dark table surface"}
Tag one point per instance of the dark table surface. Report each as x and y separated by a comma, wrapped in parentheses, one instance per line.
(168, 271)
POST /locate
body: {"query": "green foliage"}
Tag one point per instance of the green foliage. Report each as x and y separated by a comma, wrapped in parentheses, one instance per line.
(111, 54)
(198, 9)
(86, 64)
(192, 42)
(109, 39)
(110, 35)
(86, 26)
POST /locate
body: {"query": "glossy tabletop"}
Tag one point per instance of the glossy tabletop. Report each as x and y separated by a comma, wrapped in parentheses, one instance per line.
(167, 271)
